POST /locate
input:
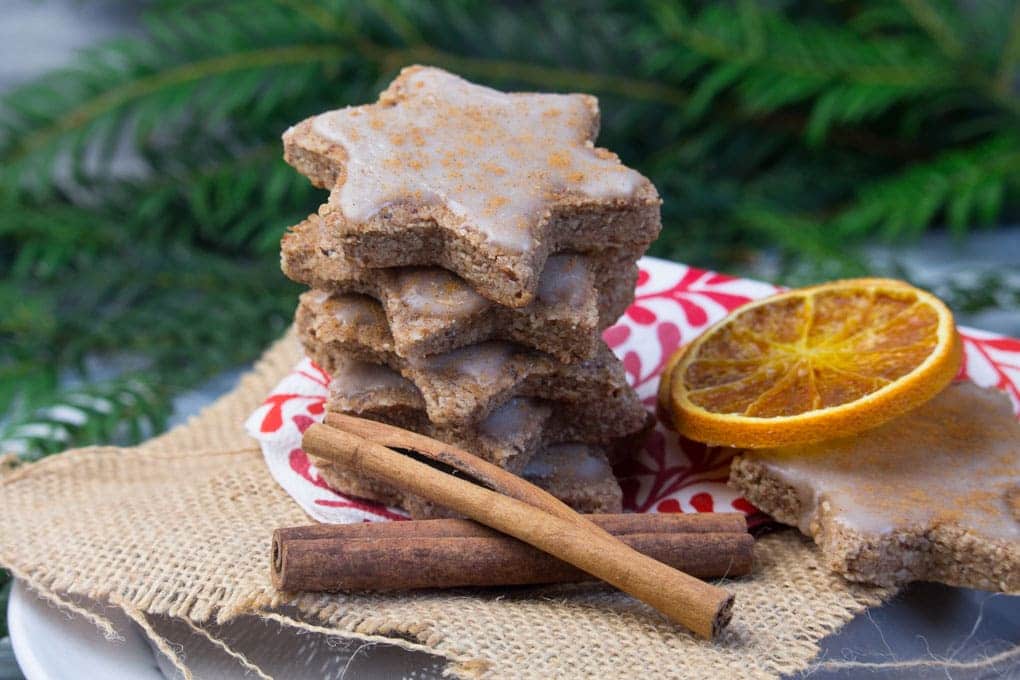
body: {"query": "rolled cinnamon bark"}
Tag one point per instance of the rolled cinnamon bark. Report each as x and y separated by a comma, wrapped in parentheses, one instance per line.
(492, 496)
(340, 562)
(621, 523)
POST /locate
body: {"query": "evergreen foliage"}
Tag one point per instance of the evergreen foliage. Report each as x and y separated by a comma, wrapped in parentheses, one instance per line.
(142, 194)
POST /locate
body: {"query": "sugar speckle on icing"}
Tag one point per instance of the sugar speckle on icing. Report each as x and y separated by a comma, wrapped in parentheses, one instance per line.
(437, 293)
(954, 460)
(355, 310)
(495, 160)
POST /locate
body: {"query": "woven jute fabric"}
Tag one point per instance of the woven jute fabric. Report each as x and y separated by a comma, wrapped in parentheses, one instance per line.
(180, 526)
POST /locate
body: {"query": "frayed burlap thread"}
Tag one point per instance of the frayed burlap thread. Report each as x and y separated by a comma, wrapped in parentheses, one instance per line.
(181, 525)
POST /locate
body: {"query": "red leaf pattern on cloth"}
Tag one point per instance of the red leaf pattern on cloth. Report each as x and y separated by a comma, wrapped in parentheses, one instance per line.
(639, 314)
(302, 466)
(669, 505)
(992, 360)
(616, 335)
(273, 420)
(673, 305)
(702, 502)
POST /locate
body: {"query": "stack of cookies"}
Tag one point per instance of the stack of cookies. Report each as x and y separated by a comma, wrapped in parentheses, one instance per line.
(474, 245)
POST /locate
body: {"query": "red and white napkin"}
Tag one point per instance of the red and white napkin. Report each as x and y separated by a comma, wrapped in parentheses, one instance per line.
(674, 303)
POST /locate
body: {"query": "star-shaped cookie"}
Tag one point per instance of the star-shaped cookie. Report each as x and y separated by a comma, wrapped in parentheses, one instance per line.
(464, 386)
(444, 172)
(932, 495)
(431, 311)
(537, 439)
(508, 437)
(577, 474)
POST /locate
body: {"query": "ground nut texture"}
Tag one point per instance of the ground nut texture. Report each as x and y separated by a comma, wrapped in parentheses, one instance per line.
(464, 386)
(431, 310)
(446, 173)
(931, 495)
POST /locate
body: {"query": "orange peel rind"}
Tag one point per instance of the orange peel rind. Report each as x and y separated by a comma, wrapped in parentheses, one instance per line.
(813, 364)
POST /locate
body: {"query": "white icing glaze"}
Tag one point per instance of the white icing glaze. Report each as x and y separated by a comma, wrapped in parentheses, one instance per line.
(592, 469)
(954, 460)
(509, 419)
(482, 363)
(360, 378)
(539, 467)
(566, 280)
(355, 310)
(495, 160)
(570, 462)
(437, 293)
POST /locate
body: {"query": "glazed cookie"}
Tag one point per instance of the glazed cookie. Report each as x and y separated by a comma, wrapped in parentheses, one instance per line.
(464, 386)
(508, 437)
(577, 474)
(430, 310)
(933, 495)
(442, 172)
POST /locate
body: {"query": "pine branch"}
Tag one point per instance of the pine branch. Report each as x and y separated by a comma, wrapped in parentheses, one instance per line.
(935, 24)
(321, 17)
(969, 293)
(968, 184)
(124, 411)
(805, 50)
(1006, 70)
(850, 78)
(840, 101)
(110, 101)
(5, 594)
(152, 87)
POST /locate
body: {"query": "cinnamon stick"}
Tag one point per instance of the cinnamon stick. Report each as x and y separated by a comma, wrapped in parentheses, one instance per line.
(542, 522)
(316, 561)
(453, 460)
(616, 524)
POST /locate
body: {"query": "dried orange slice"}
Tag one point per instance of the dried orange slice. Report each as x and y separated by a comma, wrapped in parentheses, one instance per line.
(814, 363)
(663, 409)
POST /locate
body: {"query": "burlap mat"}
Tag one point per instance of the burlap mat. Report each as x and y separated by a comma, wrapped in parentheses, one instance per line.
(180, 526)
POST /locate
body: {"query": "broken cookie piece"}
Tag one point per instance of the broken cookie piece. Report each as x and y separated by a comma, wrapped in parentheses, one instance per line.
(443, 172)
(929, 496)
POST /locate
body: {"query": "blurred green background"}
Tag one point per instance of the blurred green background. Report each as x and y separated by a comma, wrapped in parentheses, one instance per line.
(143, 193)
